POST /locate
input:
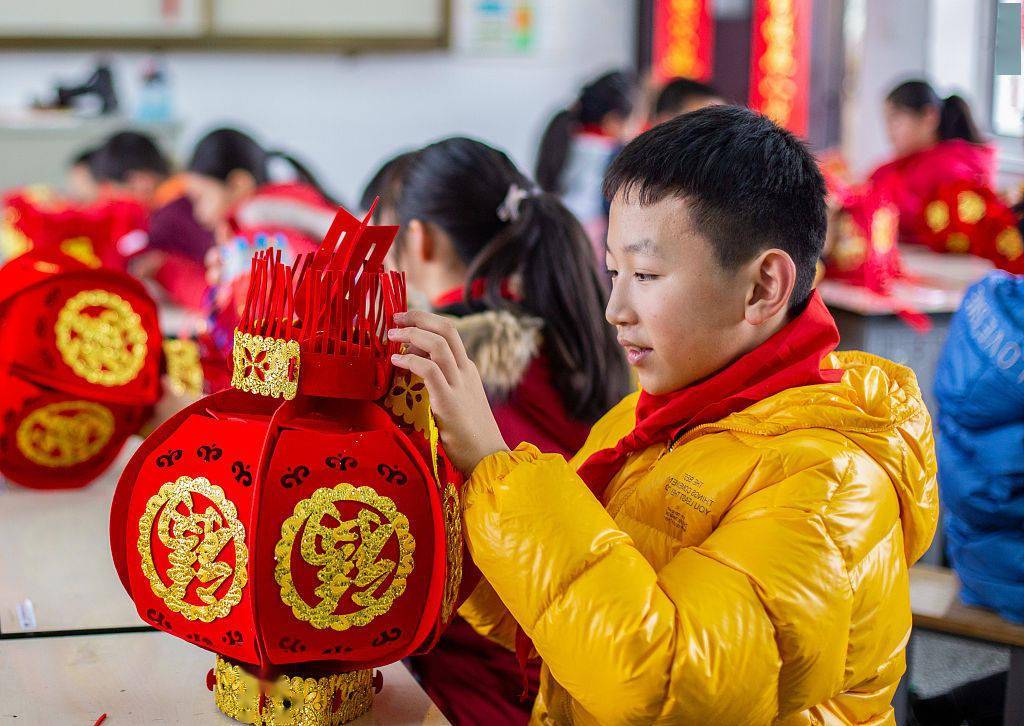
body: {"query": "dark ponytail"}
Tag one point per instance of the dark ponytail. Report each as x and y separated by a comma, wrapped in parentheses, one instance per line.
(611, 93)
(956, 121)
(225, 150)
(459, 185)
(955, 118)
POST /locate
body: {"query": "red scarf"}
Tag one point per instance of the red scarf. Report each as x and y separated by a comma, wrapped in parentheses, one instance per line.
(790, 358)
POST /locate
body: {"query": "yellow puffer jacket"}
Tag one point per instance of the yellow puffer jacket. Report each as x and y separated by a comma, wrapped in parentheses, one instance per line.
(754, 573)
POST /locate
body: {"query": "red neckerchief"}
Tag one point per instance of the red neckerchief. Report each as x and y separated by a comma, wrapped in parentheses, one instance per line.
(476, 292)
(790, 358)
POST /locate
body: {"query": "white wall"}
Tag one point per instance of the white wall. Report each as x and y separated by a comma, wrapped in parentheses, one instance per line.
(343, 115)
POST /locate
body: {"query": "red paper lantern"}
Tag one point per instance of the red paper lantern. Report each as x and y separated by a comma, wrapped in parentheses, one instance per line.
(79, 367)
(964, 217)
(865, 252)
(304, 524)
(103, 234)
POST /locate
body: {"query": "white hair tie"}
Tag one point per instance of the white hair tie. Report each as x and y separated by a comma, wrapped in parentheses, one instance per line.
(508, 210)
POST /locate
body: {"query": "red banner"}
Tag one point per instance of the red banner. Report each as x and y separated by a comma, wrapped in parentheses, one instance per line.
(684, 37)
(780, 62)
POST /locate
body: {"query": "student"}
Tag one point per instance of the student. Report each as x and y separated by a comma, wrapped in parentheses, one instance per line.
(80, 183)
(683, 95)
(934, 140)
(580, 142)
(979, 385)
(229, 184)
(732, 544)
(130, 163)
(512, 269)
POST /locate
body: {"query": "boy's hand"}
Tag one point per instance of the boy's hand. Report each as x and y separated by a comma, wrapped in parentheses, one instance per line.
(435, 353)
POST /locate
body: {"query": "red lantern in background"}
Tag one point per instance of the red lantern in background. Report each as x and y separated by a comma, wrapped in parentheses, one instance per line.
(683, 39)
(964, 217)
(80, 353)
(304, 524)
(865, 252)
(780, 62)
(105, 233)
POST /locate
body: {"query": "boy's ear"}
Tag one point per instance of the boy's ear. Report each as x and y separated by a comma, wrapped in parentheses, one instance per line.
(772, 279)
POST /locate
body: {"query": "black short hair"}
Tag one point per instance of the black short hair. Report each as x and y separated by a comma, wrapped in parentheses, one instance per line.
(125, 152)
(84, 158)
(680, 91)
(750, 185)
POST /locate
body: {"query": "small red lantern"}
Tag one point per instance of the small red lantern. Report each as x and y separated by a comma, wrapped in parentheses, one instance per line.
(304, 524)
(865, 252)
(964, 217)
(80, 353)
(104, 233)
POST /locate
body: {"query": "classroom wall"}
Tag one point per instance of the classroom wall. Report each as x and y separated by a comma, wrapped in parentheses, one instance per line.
(345, 114)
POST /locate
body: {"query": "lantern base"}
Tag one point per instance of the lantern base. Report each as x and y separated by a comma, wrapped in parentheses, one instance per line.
(292, 700)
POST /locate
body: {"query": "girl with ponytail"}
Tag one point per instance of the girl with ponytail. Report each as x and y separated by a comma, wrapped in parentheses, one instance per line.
(514, 267)
(935, 141)
(578, 145)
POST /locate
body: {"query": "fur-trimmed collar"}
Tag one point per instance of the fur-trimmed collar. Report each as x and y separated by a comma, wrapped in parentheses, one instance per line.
(502, 344)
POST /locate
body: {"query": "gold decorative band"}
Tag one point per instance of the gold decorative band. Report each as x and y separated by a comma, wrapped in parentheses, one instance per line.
(292, 701)
(267, 366)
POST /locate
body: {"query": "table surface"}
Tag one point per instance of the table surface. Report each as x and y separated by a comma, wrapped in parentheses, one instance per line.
(144, 678)
(934, 599)
(56, 554)
(936, 283)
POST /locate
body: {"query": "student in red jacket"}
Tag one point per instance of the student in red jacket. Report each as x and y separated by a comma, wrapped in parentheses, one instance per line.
(935, 141)
(515, 270)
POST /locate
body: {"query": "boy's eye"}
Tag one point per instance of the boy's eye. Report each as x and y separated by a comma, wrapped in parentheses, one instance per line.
(613, 273)
(644, 276)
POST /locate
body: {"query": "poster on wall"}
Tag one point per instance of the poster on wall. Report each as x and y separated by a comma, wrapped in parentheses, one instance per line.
(497, 27)
(682, 39)
(780, 61)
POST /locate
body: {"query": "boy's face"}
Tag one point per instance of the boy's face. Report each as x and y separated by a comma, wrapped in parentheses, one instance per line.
(679, 314)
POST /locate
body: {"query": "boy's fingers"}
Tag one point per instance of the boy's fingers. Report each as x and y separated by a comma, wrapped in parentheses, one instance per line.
(433, 345)
(435, 324)
(437, 385)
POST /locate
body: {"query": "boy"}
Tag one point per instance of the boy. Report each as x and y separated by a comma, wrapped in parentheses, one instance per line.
(731, 545)
(130, 163)
(683, 95)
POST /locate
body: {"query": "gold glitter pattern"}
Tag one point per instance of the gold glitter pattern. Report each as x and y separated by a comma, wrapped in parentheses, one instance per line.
(884, 225)
(1009, 243)
(453, 539)
(936, 215)
(266, 366)
(408, 400)
(292, 701)
(65, 433)
(970, 207)
(347, 555)
(184, 369)
(13, 243)
(80, 248)
(107, 348)
(197, 542)
(958, 242)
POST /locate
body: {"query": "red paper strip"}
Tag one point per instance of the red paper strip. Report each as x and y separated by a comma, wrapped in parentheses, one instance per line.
(781, 61)
(684, 36)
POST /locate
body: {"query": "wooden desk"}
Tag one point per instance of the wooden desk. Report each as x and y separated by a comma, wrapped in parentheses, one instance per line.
(145, 678)
(56, 553)
(934, 599)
